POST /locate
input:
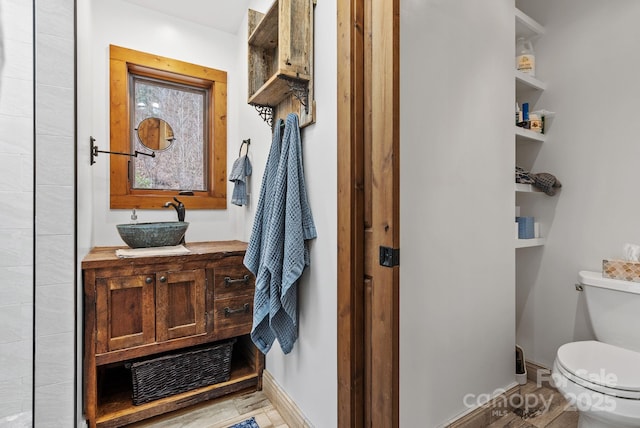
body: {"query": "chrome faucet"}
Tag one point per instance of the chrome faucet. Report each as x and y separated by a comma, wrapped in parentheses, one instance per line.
(179, 207)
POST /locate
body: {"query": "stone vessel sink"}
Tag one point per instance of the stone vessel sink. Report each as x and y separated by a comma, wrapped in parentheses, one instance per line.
(158, 234)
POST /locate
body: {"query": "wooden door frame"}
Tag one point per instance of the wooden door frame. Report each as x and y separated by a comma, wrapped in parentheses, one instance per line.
(359, 30)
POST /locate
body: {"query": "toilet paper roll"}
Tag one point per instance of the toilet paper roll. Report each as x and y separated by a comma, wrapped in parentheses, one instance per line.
(525, 227)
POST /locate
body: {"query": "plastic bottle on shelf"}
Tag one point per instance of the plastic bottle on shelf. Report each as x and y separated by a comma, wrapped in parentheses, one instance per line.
(525, 57)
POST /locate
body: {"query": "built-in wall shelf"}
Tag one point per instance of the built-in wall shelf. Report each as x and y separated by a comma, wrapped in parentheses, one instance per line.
(526, 243)
(526, 81)
(528, 89)
(526, 26)
(526, 135)
(527, 188)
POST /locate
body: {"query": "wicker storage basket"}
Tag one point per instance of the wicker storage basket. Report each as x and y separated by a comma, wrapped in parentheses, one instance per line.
(173, 374)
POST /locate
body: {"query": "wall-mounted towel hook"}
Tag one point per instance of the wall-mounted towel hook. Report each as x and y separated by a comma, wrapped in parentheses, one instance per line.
(245, 144)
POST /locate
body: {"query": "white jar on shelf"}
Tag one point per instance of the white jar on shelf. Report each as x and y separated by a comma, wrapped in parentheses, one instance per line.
(525, 56)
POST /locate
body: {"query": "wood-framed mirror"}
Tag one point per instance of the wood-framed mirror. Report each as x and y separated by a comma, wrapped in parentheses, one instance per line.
(155, 134)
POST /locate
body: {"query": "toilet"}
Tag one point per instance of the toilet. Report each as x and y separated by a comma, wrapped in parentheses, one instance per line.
(601, 378)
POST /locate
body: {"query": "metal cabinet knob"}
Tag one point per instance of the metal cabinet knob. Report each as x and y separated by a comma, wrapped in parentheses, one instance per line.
(148, 280)
(163, 279)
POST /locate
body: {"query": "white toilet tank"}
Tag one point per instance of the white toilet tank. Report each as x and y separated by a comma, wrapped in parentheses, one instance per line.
(614, 309)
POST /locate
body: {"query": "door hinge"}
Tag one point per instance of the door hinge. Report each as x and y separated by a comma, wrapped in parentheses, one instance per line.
(389, 257)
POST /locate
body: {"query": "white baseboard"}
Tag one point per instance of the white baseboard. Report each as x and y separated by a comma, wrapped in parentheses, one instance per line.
(287, 408)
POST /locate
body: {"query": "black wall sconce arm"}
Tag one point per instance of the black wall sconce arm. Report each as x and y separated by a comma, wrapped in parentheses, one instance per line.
(94, 152)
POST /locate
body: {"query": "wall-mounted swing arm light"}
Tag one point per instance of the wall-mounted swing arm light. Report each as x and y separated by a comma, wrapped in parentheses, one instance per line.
(94, 152)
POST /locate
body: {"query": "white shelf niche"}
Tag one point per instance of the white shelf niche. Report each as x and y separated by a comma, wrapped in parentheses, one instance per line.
(527, 135)
(525, 81)
(527, 188)
(526, 26)
(526, 243)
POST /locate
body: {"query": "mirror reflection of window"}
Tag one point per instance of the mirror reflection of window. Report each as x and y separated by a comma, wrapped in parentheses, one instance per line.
(172, 121)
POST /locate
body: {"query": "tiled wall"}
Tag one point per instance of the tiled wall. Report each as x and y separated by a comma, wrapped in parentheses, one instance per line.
(55, 214)
(16, 215)
(54, 209)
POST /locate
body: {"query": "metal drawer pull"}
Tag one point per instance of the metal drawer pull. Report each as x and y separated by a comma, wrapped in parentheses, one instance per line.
(244, 309)
(228, 281)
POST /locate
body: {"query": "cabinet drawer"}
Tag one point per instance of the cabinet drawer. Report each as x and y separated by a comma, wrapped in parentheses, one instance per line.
(232, 281)
(233, 313)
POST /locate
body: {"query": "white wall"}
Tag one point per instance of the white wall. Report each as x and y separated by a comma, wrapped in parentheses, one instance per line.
(456, 210)
(16, 217)
(309, 373)
(587, 58)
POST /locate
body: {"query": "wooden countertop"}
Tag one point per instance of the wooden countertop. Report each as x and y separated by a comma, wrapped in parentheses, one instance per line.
(106, 256)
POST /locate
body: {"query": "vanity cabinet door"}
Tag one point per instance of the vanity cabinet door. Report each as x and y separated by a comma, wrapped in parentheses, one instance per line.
(180, 304)
(124, 312)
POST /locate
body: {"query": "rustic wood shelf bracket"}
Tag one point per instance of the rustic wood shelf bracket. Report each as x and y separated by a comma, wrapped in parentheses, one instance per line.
(300, 90)
(266, 113)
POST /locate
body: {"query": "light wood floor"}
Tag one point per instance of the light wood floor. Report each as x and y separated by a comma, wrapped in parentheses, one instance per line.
(220, 414)
(540, 407)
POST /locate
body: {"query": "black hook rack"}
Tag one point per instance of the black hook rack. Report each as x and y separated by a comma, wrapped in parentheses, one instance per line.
(94, 152)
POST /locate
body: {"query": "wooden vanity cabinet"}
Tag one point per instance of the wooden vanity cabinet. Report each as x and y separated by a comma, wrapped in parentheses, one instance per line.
(139, 308)
(142, 309)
